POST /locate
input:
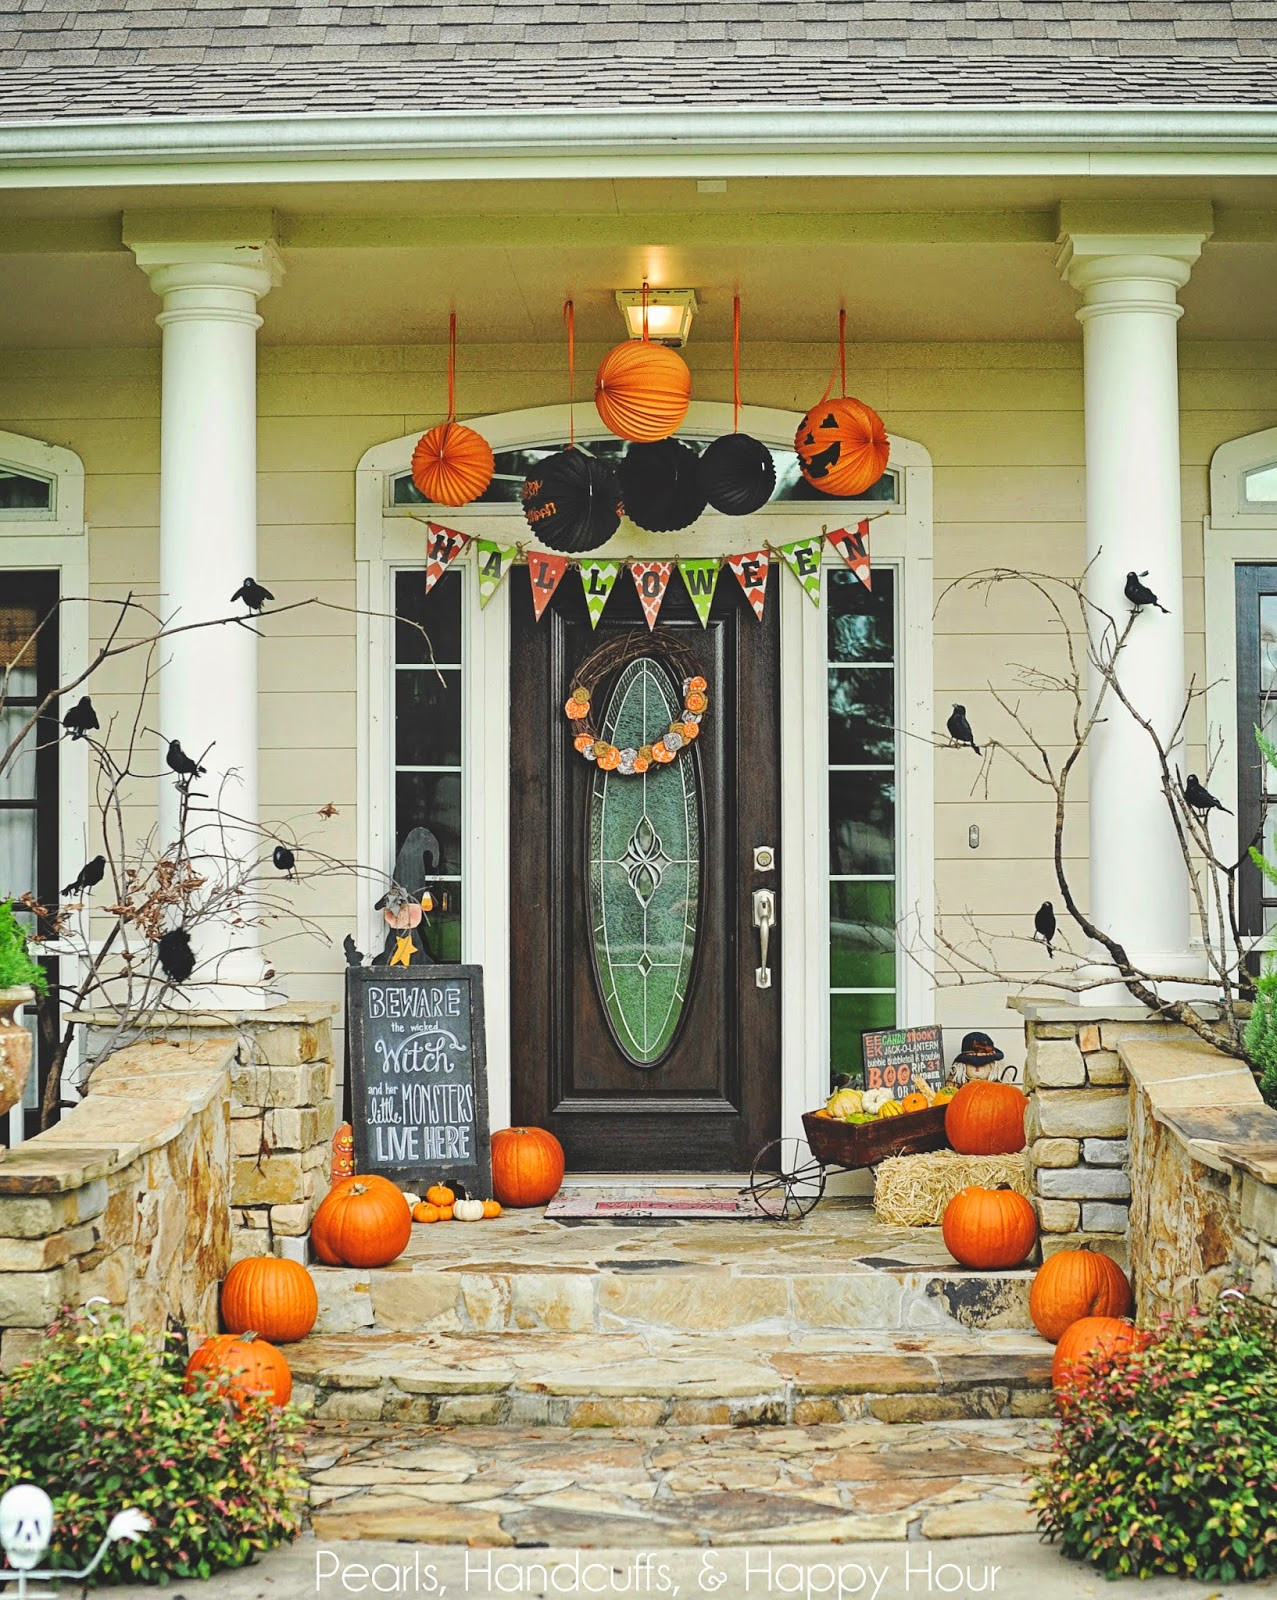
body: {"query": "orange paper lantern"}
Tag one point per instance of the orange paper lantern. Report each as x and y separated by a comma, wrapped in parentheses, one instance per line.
(842, 447)
(452, 464)
(642, 391)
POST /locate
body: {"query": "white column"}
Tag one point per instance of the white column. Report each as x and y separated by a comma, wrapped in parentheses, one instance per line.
(1129, 285)
(208, 545)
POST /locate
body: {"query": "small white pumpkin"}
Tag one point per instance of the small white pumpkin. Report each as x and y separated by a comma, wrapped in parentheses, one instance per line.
(874, 1100)
(412, 1199)
(467, 1211)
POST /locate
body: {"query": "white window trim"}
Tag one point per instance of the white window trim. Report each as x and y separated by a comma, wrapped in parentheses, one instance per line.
(56, 540)
(901, 537)
(1231, 537)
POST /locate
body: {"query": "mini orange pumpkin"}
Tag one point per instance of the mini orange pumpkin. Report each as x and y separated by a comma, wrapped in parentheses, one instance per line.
(445, 1213)
(491, 1208)
(452, 464)
(842, 447)
(642, 391)
(1073, 1284)
(527, 1166)
(915, 1102)
(423, 1211)
(989, 1228)
(1089, 1342)
(275, 1296)
(247, 1366)
(362, 1221)
(439, 1194)
(986, 1118)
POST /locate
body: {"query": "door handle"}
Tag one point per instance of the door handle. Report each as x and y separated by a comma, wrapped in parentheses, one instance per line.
(764, 921)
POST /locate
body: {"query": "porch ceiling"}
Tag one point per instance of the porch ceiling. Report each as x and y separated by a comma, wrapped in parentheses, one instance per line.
(913, 261)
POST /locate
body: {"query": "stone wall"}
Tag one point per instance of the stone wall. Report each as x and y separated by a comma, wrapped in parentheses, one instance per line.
(1204, 1169)
(282, 1116)
(127, 1198)
(1078, 1122)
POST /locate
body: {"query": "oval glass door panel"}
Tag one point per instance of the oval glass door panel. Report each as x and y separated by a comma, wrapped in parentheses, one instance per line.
(645, 871)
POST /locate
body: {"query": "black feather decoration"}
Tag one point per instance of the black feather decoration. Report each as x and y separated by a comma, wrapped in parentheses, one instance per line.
(176, 956)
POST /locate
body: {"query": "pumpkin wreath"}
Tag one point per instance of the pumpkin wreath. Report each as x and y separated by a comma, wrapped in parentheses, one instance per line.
(666, 744)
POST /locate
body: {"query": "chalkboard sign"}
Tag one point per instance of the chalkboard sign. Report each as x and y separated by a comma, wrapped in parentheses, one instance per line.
(418, 1071)
(900, 1059)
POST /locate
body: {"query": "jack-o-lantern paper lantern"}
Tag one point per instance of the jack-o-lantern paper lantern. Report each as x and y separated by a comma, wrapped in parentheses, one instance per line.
(737, 474)
(660, 486)
(343, 1162)
(572, 502)
(842, 447)
(452, 464)
(642, 391)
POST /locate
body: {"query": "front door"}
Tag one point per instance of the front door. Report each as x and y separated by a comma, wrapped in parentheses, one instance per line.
(640, 1033)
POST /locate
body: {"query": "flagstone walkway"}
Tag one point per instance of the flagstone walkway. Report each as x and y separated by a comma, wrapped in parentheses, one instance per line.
(659, 1487)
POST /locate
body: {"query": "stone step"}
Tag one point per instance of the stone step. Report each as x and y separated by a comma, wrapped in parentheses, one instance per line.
(579, 1380)
(655, 1488)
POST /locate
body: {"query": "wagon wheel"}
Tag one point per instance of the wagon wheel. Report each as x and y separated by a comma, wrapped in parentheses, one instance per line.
(786, 1181)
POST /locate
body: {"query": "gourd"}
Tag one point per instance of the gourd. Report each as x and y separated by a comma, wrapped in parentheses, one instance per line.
(1073, 1284)
(423, 1211)
(1088, 1341)
(917, 1101)
(468, 1210)
(412, 1199)
(986, 1119)
(362, 1221)
(844, 1103)
(438, 1194)
(491, 1208)
(445, 1213)
(247, 1365)
(891, 1108)
(989, 1228)
(944, 1094)
(527, 1166)
(275, 1296)
(874, 1100)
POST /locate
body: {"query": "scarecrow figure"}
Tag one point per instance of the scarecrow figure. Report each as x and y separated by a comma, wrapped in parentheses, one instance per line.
(978, 1059)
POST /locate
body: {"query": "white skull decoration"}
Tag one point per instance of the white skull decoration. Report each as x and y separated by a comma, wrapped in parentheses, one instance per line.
(26, 1525)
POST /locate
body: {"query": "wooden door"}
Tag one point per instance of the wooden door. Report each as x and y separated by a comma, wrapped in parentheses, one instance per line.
(643, 1049)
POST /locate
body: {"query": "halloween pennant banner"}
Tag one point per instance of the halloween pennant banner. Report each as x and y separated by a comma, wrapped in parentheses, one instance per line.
(750, 571)
(495, 561)
(854, 549)
(597, 578)
(651, 579)
(442, 548)
(803, 560)
(700, 579)
(545, 573)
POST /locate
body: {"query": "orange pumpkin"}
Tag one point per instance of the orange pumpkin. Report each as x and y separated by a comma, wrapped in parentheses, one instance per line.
(439, 1194)
(1073, 1284)
(1089, 1342)
(445, 1213)
(247, 1366)
(423, 1211)
(452, 464)
(989, 1228)
(915, 1102)
(527, 1166)
(842, 447)
(362, 1221)
(642, 391)
(275, 1296)
(492, 1208)
(986, 1119)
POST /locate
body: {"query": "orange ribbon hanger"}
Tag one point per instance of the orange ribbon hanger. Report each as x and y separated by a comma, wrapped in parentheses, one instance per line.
(569, 319)
(452, 367)
(736, 363)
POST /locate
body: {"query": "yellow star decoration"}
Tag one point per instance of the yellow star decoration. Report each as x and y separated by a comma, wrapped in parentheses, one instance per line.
(403, 951)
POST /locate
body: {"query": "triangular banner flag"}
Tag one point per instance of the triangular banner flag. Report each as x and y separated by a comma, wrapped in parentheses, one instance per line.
(495, 561)
(854, 549)
(651, 579)
(597, 578)
(700, 579)
(751, 573)
(443, 546)
(803, 560)
(545, 573)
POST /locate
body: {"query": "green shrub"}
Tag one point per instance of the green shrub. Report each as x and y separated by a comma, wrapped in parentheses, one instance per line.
(100, 1420)
(1261, 1035)
(17, 969)
(1166, 1461)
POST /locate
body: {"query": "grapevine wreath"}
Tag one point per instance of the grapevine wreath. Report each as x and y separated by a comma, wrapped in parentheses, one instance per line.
(665, 743)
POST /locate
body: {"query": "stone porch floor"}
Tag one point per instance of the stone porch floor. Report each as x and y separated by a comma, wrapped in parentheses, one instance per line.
(656, 1488)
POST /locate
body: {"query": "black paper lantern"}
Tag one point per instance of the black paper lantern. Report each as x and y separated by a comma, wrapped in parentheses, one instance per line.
(737, 474)
(572, 501)
(660, 485)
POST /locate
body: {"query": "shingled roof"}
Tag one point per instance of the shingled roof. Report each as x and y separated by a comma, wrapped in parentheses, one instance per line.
(163, 58)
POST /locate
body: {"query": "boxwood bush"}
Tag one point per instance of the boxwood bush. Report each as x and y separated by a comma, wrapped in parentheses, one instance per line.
(100, 1420)
(1166, 1460)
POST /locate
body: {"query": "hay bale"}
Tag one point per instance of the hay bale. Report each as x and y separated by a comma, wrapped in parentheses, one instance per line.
(912, 1191)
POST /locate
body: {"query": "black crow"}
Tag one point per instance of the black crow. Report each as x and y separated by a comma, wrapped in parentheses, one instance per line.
(1201, 800)
(90, 875)
(182, 764)
(252, 594)
(354, 958)
(176, 956)
(284, 859)
(81, 718)
(960, 729)
(1044, 924)
(1139, 594)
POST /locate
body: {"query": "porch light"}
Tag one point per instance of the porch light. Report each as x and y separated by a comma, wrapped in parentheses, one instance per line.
(669, 313)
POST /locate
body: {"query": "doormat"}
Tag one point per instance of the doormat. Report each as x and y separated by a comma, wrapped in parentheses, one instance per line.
(689, 1207)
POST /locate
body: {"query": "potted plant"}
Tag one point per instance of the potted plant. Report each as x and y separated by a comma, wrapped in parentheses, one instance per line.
(21, 980)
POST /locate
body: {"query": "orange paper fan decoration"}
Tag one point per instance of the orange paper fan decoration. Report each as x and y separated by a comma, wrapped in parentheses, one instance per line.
(642, 390)
(452, 464)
